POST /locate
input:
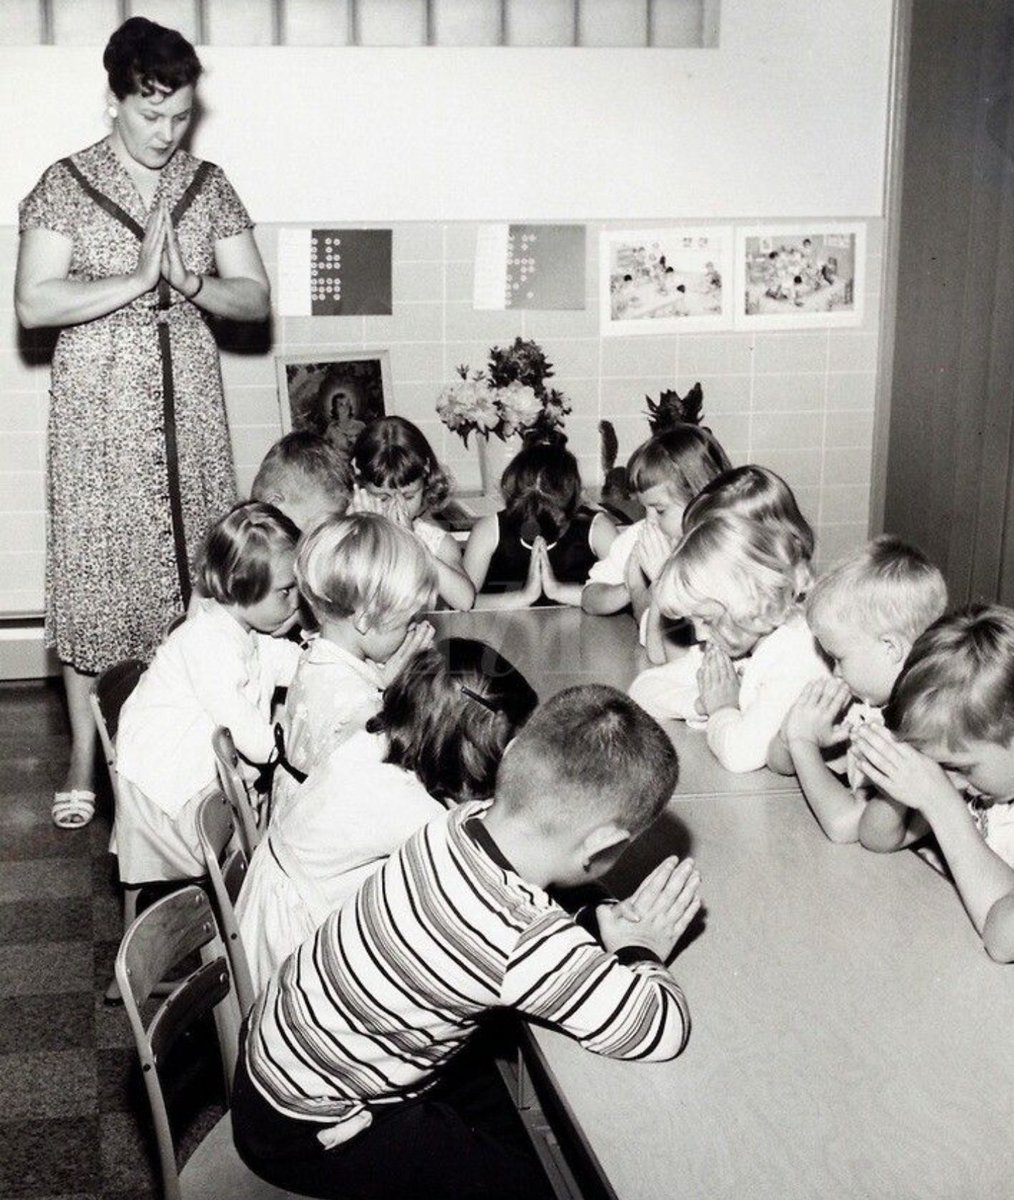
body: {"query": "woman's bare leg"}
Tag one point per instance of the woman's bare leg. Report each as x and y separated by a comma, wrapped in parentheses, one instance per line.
(81, 772)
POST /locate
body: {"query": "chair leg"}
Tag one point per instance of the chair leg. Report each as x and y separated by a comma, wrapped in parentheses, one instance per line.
(130, 898)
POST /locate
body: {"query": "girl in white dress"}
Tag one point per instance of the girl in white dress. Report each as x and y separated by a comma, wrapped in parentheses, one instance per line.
(366, 581)
(219, 667)
(739, 582)
(438, 739)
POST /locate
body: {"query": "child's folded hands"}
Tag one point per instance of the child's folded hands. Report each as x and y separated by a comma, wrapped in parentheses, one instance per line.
(658, 913)
(717, 681)
(652, 550)
(900, 771)
(419, 637)
(813, 717)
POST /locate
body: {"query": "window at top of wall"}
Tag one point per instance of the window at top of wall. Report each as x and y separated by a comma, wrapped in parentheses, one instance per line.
(647, 24)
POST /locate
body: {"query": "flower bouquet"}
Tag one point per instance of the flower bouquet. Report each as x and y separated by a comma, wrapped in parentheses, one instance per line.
(509, 397)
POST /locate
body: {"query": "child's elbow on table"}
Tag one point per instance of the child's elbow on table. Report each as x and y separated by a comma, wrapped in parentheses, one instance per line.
(998, 930)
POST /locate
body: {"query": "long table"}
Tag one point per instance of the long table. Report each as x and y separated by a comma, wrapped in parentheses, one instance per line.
(850, 1037)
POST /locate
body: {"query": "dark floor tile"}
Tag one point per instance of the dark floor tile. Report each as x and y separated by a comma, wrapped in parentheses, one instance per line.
(62, 1021)
(46, 970)
(120, 1084)
(25, 921)
(46, 879)
(111, 1026)
(27, 830)
(47, 1158)
(103, 958)
(128, 1155)
(107, 917)
(47, 1084)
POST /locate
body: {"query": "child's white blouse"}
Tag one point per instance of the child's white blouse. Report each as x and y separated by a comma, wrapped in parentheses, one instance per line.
(771, 678)
(210, 671)
(613, 568)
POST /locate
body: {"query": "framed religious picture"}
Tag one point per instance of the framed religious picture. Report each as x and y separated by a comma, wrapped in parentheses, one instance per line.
(802, 275)
(333, 392)
(674, 280)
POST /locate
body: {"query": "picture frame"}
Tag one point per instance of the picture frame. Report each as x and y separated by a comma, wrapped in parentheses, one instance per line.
(664, 281)
(333, 392)
(803, 274)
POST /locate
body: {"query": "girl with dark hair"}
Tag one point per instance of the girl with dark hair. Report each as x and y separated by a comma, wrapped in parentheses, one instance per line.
(128, 246)
(438, 739)
(397, 474)
(541, 546)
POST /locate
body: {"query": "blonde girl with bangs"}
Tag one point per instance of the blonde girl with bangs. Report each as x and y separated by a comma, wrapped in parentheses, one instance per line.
(367, 582)
(739, 582)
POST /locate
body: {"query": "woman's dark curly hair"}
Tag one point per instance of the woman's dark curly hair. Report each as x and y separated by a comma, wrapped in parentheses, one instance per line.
(142, 58)
(449, 715)
(392, 452)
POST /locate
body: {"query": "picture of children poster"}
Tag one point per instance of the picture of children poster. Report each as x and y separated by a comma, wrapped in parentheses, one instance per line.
(800, 275)
(529, 266)
(665, 280)
(333, 393)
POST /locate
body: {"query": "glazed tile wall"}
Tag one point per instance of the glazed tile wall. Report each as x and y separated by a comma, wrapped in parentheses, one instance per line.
(800, 402)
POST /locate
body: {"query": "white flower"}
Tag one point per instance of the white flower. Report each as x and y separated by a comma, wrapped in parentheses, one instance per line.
(519, 404)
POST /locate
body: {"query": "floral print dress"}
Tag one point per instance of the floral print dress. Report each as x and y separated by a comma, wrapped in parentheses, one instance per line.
(138, 456)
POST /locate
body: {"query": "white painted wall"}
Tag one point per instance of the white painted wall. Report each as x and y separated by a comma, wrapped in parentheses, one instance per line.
(787, 118)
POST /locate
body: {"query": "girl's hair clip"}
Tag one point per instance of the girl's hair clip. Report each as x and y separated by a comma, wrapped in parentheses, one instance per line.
(479, 699)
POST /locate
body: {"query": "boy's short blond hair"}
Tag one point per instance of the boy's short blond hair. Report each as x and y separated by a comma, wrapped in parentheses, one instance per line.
(589, 751)
(752, 569)
(364, 563)
(886, 587)
(302, 463)
(957, 684)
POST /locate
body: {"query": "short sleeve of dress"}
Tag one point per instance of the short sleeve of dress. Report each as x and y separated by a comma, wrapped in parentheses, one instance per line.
(53, 203)
(228, 213)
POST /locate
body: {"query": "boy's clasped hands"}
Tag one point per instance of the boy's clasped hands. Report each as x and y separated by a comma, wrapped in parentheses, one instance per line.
(658, 913)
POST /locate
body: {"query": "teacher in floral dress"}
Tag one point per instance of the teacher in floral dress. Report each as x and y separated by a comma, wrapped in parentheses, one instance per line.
(128, 246)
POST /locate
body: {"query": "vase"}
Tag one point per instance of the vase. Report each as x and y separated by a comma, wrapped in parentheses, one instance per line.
(493, 458)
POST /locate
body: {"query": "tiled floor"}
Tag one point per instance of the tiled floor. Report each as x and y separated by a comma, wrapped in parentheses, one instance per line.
(73, 1114)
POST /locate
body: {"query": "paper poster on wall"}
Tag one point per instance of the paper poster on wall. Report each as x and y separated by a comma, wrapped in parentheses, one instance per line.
(801, 275)
(529, 266)
(334, 272)
(665, 280)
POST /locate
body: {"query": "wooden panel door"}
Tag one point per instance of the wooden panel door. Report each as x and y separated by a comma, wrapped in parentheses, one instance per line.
(948, 476)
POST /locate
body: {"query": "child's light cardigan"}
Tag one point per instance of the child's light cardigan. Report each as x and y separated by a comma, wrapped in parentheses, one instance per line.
(771, 678)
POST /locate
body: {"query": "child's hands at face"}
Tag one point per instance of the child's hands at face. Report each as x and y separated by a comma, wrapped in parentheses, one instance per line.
(657, 914)
(534, 582)
(652, 550)
(397, 512)
(717, 681)
(901, 771)
(417, 638)
(812, 717)
(634, 577)
(550, 585)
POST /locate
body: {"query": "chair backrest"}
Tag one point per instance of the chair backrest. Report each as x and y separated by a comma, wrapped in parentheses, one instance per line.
(164, 936)
(234, 786)
(108, 695)
(226, 863)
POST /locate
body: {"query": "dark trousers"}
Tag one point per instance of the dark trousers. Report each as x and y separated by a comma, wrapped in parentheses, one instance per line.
(462, 1140)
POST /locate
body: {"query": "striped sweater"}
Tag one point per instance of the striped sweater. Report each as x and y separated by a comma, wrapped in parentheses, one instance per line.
(393, 982)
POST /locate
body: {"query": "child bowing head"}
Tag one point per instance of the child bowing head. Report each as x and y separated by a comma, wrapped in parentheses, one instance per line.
(757, 493)
(367, 582)
(666, 472)
(304, 477)
(753, 492)
(540, 547)
(437, 740)
(739, 583)
(945, 763)
(218, 668)
(396, 473)
(865, 613)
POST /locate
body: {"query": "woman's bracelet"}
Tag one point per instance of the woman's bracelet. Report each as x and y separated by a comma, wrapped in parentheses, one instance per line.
(200, 283)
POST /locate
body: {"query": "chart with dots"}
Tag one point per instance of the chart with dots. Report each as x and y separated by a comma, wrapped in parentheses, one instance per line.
(334, 272)
(530, 266)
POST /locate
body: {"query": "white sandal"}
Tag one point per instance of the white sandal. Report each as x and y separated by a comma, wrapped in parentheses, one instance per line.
(73, 809)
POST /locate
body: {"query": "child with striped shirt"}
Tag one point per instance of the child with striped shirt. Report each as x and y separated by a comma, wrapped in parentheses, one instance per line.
(351, 1083)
